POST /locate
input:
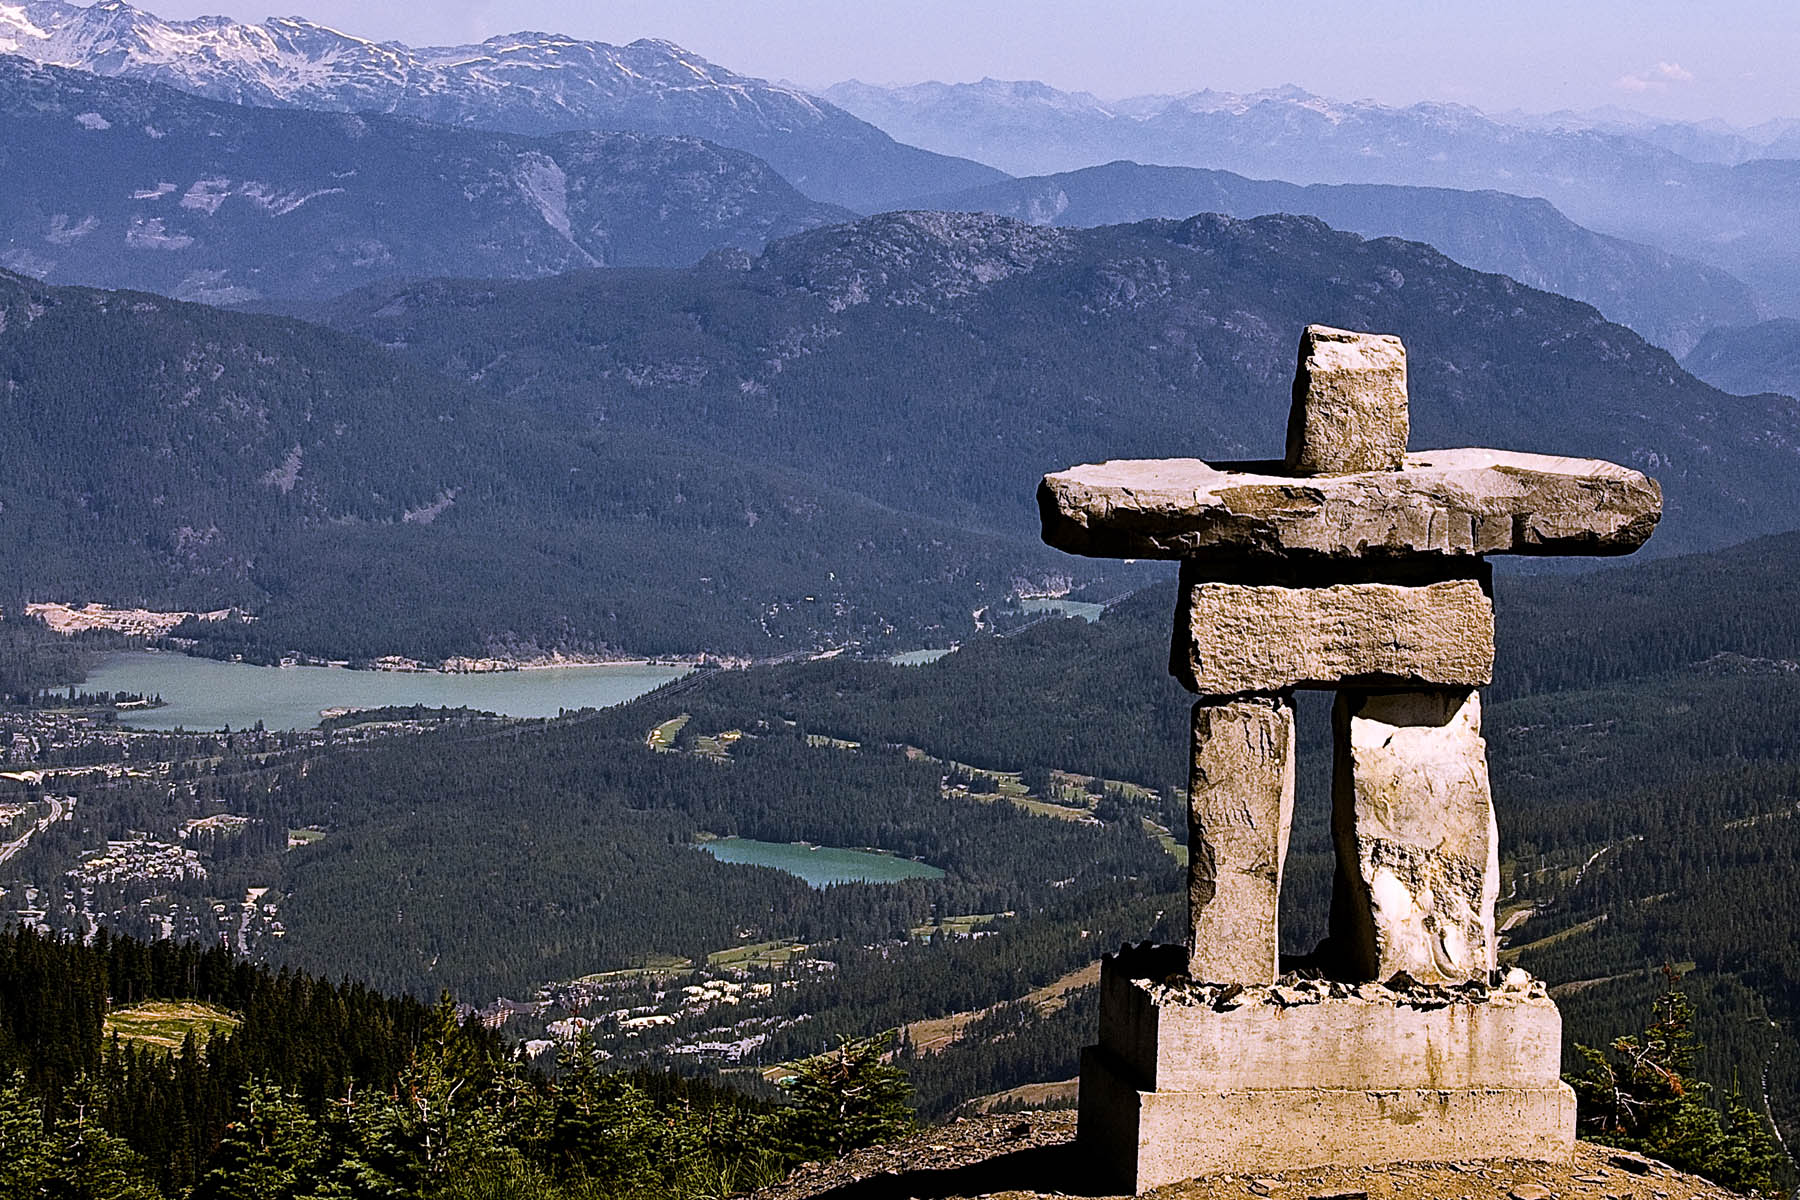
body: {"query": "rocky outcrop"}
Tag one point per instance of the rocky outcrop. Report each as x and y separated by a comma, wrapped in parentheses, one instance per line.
(1034, 1156)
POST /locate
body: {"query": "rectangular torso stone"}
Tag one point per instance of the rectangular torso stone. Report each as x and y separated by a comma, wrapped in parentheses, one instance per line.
(1234, 637)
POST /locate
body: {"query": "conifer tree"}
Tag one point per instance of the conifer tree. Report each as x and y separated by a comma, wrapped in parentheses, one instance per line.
(274, 1150)
(1640, 1095)
(848, 1098)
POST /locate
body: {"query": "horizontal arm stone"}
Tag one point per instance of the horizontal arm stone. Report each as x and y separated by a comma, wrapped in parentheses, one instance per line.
(1444, 502)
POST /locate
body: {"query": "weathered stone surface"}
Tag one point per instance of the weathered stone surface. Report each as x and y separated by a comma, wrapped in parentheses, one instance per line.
(1233, 637)
(1182, 1038)
(1418, 855)
(1241, 804)
(1349, 410)
(1147, 1139)
(1443, 502)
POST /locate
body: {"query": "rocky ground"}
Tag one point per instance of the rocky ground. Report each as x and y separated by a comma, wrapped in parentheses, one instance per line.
(1032, 1155)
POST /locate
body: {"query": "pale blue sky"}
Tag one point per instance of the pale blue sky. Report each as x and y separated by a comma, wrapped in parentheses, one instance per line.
(1693, 59)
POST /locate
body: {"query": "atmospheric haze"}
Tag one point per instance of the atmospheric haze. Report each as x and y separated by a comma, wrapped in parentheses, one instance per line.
(1729, 60)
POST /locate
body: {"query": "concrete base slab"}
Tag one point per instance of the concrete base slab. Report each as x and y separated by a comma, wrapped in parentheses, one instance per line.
(1170, 1032)
(1145, 1139)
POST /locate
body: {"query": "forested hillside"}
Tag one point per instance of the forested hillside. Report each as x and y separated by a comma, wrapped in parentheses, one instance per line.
(178, 456)
(944, 362)
(302, 1087)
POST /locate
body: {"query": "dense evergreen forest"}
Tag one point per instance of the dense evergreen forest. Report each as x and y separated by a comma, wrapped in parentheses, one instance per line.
(1640, 736)
(324, 1089)
(181, 457)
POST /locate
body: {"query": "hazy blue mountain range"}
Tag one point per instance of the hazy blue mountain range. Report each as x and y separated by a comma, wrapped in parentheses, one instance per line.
(941, 362)
(1764, 357)
(1739, 217)
(1669, 299)
(174, 455)
(118, 183)
(1703, 141)
(532, 83)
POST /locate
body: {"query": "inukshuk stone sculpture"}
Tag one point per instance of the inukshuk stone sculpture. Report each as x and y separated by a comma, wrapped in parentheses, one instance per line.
(1357, 567)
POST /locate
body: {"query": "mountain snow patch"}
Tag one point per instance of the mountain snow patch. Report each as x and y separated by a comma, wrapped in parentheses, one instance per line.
(64, 232)
(93, 121)
(151, 235)
(206, 195)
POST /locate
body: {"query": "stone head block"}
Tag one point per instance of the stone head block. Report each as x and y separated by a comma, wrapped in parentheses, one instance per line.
(1233, 637)
(1349, 408)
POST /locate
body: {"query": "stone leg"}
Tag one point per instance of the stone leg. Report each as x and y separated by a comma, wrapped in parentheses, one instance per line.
(1241, 805)
(1418, 858)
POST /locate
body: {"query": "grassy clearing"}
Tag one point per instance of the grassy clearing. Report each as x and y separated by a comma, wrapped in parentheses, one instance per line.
(653, 964)
(1166, 840)
(935, 1033)
(719, 744)
(1060, 1094)
(957, 926)
(165, 1024)
(1511, 954)
(304, 837)
(663, 736)
(756, 954)
(819, 739)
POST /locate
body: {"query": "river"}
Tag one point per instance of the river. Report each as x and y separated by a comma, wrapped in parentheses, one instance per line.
(204, 694)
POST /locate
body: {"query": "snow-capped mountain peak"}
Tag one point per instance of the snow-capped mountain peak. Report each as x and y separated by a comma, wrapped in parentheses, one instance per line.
(527, 82)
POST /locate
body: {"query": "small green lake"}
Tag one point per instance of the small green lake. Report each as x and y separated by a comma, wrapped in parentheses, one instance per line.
(204, 694)
(916, 658)
(819, 865)
(1086, 610)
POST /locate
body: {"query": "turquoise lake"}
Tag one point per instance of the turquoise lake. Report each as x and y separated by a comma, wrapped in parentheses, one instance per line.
(1086, 610)
(916, 658)
(204, 694)
(820, 865)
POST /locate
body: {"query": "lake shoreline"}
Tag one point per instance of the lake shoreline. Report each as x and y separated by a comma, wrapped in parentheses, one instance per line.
(201, 693)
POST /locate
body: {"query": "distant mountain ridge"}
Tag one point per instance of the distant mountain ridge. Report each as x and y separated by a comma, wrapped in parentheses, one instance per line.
(1669, 300)
(531, 83)
(942, 362)
(1621, 182)
(1764, 357)
(119, 183)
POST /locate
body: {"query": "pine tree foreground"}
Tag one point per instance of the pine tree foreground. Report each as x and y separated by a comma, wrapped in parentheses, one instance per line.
(1640, 1095)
